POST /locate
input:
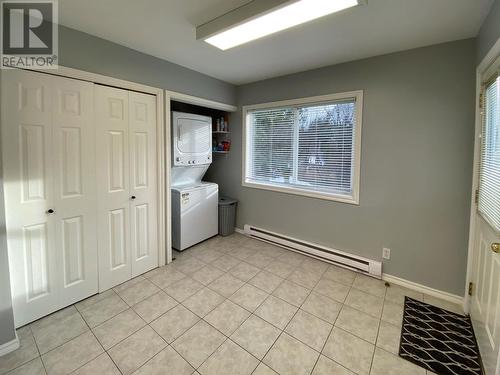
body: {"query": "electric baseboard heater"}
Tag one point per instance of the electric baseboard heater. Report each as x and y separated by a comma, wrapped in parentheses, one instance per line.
(340, 258)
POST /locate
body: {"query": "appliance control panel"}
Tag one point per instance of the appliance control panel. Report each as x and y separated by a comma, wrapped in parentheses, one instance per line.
(187, 160)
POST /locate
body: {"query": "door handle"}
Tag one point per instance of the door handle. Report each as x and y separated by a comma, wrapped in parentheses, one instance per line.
(495, 247)
(50, 211)
(133, 197)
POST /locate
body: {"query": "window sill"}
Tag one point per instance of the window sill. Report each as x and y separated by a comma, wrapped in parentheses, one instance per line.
(303, 192)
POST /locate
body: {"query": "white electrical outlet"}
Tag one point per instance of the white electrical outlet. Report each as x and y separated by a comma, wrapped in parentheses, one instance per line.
(386, 253)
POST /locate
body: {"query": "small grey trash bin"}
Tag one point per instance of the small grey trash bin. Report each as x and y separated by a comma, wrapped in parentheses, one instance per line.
(227, 215)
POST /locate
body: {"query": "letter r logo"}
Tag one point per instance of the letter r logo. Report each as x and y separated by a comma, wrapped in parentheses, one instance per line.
(27, 28)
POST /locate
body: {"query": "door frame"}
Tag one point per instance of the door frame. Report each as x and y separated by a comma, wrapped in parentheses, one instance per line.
(189, 99)
(162, 145)
(481, 69)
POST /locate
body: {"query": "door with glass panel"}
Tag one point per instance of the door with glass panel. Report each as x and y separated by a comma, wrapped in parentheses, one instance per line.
(485, 300)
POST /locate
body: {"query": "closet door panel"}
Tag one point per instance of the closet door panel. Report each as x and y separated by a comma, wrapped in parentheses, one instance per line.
(144, 245)
(28, 175)
(112, 129)
(75, 187)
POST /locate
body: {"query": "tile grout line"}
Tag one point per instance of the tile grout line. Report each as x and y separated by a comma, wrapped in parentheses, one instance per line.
(37, 349)
(146, 324)
(228, 337)
(283, 330)
(39, 356)
(64, 343)
(128, 307)
(149, 359)
(80, 310)
(324, 344)
(294, 266)
(333, 324)
(93, 334)
(171, 344)
(300, 307)
(376, 338)
(137, 330)
(286, 278)
(250, 315)
(106, 351)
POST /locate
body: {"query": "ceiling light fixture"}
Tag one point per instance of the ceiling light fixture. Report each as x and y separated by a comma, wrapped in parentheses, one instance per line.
(259, 18)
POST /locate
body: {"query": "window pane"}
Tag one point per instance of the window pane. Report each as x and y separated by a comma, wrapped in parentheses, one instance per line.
(272, 145)
(309, 147)
(489, 184)
(326, 147)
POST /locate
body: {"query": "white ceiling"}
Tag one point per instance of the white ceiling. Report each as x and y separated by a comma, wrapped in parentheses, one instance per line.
(166, 29)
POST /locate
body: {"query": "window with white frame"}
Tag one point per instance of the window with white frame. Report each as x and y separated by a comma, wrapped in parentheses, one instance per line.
(489, 173)
(306, 146)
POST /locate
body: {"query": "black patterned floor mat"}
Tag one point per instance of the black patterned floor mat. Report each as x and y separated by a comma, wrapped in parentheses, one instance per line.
(438, 340)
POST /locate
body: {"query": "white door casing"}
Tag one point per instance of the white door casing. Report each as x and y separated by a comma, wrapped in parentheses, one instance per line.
(143, 192)
(37, 113)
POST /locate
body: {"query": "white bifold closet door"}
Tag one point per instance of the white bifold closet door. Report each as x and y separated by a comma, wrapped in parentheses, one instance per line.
(126, 174)
(48, 139)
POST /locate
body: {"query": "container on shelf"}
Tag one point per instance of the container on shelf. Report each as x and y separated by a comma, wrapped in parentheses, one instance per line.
(224, 145)
(221, 144)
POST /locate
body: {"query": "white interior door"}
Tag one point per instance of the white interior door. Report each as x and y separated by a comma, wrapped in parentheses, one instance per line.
(112, 129)
(75, 187)
(143, 214)
(485, 300)
(28, 177)
(46, 143)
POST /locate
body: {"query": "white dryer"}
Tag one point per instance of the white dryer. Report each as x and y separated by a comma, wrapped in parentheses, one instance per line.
(192, 139)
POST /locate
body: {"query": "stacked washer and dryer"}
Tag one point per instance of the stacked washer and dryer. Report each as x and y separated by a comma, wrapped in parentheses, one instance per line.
(194, 202)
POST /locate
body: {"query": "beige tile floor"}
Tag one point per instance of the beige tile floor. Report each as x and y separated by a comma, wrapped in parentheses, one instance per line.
(230, 305)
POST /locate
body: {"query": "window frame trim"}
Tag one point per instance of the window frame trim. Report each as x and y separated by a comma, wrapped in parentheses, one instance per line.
(350, 199)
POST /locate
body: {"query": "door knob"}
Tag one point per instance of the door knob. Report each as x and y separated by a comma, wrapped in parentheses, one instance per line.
(132, 197)
(50, 211)
(495, 247)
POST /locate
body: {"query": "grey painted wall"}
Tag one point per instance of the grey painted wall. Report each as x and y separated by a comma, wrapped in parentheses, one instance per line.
(89, 53)
(489, 32)
(417, 148)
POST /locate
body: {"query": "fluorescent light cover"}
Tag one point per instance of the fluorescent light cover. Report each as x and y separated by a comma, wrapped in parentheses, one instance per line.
(283, 18)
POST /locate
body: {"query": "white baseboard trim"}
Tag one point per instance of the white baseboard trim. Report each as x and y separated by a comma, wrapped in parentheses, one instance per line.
(453, 298)
(9, 346)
